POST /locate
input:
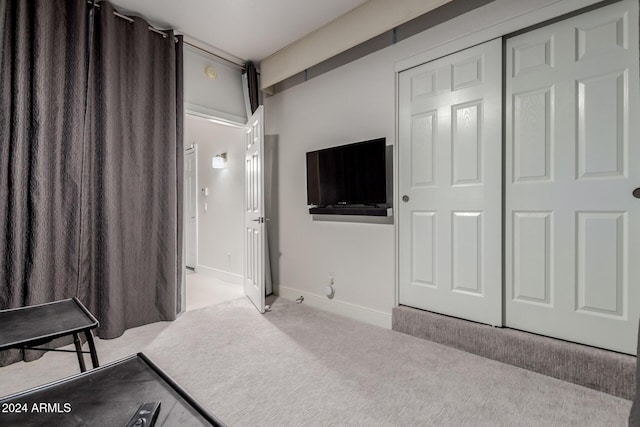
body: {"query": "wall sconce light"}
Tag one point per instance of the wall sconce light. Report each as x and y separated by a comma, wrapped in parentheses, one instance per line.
(219, 161)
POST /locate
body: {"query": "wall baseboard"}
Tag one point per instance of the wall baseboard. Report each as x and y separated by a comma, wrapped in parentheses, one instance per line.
(352, 311)
(236, 279)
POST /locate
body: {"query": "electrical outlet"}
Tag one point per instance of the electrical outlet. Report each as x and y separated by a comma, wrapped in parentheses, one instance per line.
(329, 291)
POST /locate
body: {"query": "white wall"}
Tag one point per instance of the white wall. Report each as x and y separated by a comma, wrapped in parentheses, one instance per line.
(221, 97)
(220, 227)
(353, 103)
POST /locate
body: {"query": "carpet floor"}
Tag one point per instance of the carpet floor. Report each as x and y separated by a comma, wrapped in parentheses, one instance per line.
(298, 366)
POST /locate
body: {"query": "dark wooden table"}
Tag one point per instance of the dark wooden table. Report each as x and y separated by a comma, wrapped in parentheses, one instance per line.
(106, 396)
(34, 325)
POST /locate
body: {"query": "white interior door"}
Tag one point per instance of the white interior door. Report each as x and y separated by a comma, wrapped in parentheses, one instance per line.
(254, 226)
(191, 207)
(450, 180)
(573, 161)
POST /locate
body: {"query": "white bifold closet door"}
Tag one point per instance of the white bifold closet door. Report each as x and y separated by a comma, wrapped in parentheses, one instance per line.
(572, 232)
(450, 175)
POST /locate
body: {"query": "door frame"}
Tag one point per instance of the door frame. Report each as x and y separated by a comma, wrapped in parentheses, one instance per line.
(193, 147)
(182, 286)
(504, 28)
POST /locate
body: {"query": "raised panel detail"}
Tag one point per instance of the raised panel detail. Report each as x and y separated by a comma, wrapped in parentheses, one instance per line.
(423, 132)
(532, 135)
(251, 136)
(533, 58)
(466, 143)
(249, 184)
(252, 183)
(255, 133)
(466, 73)
(253, 256)
(601, 266)
(532, 255)
(601, 38)
(423, 85)
(602, 116)
(423, 235)
(467, 252)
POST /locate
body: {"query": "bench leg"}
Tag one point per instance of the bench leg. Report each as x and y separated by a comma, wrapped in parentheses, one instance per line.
(92, 349)
(76, 341)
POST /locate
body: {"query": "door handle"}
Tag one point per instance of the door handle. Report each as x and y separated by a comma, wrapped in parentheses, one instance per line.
(405, 198)
(257, 220)
(636, 193)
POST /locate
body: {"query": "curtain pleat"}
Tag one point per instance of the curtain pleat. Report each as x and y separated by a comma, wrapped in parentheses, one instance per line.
(132, 177)
(43, 68)
(179, 167)
(254, 90)
(91, 124)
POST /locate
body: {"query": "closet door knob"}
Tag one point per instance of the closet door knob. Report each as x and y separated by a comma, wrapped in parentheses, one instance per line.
(636, 193)
(405, 198)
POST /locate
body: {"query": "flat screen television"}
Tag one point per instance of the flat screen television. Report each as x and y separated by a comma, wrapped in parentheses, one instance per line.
(352, 175)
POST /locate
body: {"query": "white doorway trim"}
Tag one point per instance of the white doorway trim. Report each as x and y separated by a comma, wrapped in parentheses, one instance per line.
(191, 244)
(189, 110)
(215, 119)
(214, 115)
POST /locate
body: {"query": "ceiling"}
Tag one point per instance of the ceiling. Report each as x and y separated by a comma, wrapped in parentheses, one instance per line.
(247, 29)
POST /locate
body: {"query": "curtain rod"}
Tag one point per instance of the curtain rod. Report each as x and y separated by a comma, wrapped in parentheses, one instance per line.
(164, 35)
(126, 18)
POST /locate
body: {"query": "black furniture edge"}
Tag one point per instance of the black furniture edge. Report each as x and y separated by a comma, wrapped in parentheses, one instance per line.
(182, 392)
(63, 380)
(40, 337)
(96, 323)
(47, 338)
(165, 377)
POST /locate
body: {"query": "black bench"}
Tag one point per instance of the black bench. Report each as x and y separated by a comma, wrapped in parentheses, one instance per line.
(34, 325)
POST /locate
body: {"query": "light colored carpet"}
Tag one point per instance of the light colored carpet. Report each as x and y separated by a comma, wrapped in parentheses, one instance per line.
(298, 366)
(203, 291)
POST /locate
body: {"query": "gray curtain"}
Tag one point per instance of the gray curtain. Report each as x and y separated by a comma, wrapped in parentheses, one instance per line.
(43, 75)
(132, 175)
(253, 88)
(90, 163)
(179, 178)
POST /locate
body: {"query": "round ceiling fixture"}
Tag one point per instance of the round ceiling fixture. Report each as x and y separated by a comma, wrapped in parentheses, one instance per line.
(210, 72)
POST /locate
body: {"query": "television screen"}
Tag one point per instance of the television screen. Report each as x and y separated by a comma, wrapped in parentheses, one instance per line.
(353, 174)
